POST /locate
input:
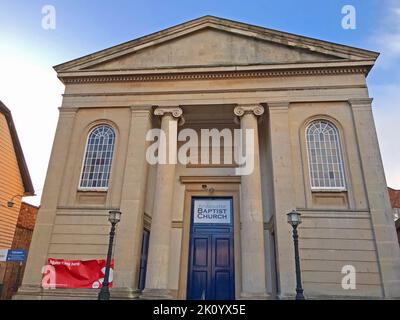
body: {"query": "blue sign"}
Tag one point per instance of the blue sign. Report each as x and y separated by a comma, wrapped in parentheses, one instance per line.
(16, 255)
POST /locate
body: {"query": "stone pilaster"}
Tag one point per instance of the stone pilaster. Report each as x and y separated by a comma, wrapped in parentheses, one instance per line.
(387, 247)
(129, 231)
(251, 214)
(159, 244)
(284, 196)
(38, 251)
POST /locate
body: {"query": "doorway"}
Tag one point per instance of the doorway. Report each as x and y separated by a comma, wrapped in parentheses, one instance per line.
(211, 274)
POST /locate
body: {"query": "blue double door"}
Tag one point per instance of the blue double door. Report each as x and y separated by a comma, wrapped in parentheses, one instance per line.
(211, 256)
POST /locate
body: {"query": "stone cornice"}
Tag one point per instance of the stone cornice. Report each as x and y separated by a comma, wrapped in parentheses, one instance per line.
(164, 75)
(362, 102)
(209, 179)
(141, 108)
(69, 110)
(278, 106)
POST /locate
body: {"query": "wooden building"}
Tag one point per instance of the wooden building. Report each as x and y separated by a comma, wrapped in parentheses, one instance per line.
(15, 181)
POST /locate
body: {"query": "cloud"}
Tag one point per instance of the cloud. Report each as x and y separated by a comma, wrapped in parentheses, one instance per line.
(386, 91)
(387, 34)
(387, 114)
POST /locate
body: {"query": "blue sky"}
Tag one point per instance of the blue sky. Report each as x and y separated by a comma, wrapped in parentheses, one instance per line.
(30, 88)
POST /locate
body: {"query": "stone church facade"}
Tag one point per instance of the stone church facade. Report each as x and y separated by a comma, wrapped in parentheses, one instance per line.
(315, 150)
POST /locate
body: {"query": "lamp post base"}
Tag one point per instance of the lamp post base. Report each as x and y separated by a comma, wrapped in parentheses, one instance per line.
(104, 294)
(299, 294)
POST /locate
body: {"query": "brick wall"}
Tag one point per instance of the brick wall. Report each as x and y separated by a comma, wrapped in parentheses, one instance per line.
(22, 239)
(394, 196)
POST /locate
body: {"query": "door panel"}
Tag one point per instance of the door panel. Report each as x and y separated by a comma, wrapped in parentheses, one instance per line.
(199, 275)
(200, 252)
(221, 252)
(222, 285)
(222, 267)
(199, 285)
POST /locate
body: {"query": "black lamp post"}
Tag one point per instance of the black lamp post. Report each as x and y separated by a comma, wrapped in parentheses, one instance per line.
(114, 217)
(294, 220)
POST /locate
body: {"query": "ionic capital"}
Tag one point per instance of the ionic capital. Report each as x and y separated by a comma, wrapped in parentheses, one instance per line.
(256, 109)
(175, 112)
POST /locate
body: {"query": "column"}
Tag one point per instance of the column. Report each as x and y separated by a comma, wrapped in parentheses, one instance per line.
(129, 231)
(388, 252)
(159, 244)
(284, 196)
(251, 214)
(37, 258)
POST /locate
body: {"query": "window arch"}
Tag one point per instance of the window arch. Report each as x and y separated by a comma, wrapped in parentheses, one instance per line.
(324, 156)
(98, 157)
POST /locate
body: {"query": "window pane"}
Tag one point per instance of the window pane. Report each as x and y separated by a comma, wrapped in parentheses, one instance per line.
(324, 156)
(98, 157)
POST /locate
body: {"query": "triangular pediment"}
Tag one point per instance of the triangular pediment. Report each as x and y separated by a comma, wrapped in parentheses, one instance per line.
(211, 47)
(214, 42)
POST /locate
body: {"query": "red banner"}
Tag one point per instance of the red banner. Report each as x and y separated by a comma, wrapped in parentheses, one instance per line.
(60, 273)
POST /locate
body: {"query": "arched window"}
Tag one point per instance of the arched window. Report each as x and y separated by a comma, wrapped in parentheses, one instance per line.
(98, 157)
(324, 156)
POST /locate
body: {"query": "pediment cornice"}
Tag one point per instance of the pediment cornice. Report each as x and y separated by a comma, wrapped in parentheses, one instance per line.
(337, 51)
(215, 73)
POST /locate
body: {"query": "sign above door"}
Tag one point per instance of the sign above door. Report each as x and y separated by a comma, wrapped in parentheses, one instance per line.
(212, 210)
